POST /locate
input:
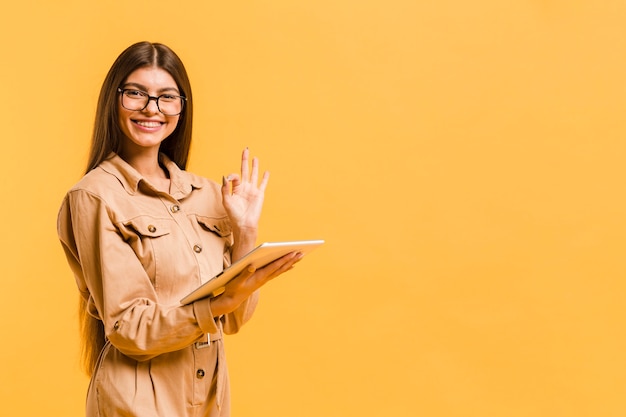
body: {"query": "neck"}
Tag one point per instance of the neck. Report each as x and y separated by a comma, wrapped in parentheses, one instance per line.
(146, 163)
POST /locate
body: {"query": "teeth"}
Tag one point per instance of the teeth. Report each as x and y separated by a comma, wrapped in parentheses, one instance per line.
(148, 124)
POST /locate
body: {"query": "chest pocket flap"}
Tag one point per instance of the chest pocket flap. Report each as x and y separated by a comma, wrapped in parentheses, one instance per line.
(148, 226)
(219, 226)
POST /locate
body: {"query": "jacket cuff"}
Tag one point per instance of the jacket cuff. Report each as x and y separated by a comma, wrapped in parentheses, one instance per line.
(204, 316)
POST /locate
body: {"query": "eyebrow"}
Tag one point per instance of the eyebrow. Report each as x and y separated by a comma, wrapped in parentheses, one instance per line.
(143, 88)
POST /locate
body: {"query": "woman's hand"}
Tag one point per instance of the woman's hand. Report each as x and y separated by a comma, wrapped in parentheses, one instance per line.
(241, 287)
(243, 196)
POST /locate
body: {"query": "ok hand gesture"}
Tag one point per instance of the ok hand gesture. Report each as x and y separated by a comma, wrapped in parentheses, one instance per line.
(243, 195)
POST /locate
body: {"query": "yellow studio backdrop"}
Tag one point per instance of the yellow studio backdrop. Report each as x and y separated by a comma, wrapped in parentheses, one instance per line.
(463, 160)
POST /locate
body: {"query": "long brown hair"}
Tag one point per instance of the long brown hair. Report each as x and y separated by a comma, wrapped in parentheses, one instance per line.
(107, 138)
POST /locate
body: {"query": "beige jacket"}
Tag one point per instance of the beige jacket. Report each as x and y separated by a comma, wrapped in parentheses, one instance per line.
(135, 252)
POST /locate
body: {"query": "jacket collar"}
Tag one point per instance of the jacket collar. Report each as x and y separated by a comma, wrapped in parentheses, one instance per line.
(182, 183)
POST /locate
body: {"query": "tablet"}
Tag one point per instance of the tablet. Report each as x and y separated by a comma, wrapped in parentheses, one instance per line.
(258, 257)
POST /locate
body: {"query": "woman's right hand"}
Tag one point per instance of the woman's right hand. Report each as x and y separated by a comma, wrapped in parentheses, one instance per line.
(241, 287)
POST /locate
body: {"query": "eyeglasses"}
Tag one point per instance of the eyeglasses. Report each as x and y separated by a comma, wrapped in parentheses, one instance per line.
(137, 100)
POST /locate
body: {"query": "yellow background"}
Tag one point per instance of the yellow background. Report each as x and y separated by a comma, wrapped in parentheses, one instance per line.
(463, 160)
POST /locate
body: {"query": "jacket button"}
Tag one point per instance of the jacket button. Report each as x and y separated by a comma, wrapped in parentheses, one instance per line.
(175, 208)
(200, 374)
(197, 248)
(151, 228)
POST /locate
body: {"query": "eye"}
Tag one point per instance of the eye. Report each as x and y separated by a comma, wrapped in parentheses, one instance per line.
(168, 97)
(135, 94)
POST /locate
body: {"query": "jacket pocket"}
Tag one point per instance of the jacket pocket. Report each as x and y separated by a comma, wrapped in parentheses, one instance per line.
(147, 226)
(218, 225)
(220, 236)
(151, 240)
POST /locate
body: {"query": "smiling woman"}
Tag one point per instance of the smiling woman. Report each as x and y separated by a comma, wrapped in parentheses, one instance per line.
(143, 122)
(140, 232)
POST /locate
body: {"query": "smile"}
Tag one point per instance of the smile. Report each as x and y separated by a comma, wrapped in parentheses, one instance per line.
(147, 123)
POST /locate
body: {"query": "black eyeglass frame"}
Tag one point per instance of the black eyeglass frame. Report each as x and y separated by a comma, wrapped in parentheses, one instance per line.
(156, 100)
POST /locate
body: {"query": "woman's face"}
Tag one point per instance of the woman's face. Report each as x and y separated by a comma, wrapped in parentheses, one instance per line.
(144, 130)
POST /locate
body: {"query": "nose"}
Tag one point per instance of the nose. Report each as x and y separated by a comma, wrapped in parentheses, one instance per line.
(151, 108)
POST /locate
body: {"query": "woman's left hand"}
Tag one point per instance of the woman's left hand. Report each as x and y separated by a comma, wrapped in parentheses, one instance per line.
(243, 195)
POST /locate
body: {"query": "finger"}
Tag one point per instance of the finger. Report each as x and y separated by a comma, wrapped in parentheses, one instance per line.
(263, 275)
(284, 268)
(246, 273)
(254, 178)
(243, 276)
(244, 164)
(282, 264)
(234, 180)
(264, 181)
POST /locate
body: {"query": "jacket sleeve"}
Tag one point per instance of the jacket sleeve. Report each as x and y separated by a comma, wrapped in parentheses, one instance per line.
(119, 291)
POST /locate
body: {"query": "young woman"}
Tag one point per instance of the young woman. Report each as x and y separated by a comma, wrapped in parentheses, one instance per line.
(140, 233)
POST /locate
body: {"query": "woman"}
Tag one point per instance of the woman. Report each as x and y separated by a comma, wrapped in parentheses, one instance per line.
(140, 233)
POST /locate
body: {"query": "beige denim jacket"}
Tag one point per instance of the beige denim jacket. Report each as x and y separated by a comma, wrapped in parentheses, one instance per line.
(135, 252)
